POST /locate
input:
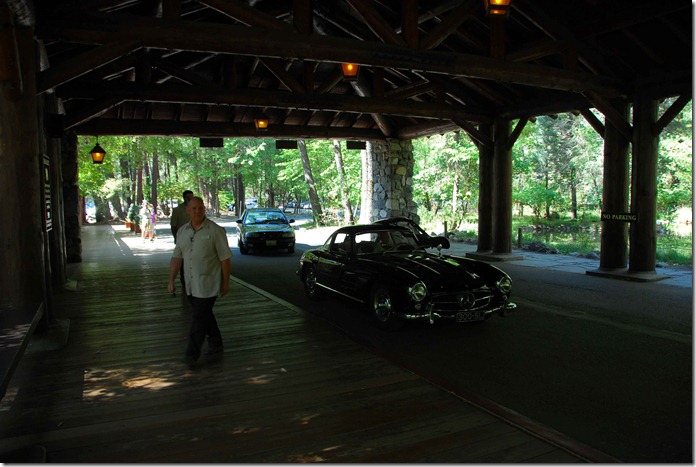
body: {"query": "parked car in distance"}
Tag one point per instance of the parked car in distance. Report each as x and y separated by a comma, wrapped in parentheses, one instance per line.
(265, 228)
(384, 267)
(251, 202)
(424, 238)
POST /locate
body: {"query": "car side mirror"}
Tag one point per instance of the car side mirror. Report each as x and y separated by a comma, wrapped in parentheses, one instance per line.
(291, 221)
(239, 221)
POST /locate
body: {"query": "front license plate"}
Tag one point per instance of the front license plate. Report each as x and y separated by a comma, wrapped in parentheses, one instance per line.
(467, 316)
(270, 243)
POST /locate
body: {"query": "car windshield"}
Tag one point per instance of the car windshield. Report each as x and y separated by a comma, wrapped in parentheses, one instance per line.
(382, 241)
(265, 217)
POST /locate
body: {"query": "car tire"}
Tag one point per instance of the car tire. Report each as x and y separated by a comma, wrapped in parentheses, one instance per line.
(309, 279)
(381, 303)
(242, 249)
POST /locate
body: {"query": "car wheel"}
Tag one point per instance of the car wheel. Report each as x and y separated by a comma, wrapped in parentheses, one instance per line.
(242, 249)
(311, 287)
(382, 307)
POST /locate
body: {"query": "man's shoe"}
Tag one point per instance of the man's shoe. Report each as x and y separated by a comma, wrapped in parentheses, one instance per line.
(214, 354)
(189, 360)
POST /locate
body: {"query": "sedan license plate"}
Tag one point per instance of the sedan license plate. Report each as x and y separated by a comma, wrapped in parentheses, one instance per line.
(468, 316)
(270, 243)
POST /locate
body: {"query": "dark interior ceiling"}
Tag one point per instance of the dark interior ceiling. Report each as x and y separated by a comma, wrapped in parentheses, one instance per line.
(209, 67)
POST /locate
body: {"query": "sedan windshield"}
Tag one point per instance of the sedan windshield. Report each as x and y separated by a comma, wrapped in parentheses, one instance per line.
(265, 217)
(381, 241)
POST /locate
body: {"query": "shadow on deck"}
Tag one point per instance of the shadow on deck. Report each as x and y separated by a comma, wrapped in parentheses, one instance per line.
(289, 388)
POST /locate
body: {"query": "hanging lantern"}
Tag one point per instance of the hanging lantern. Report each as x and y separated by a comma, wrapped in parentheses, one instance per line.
(497, 8)
(350, 71)
(97, 153)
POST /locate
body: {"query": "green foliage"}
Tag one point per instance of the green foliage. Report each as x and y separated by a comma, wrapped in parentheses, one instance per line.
(557, 171)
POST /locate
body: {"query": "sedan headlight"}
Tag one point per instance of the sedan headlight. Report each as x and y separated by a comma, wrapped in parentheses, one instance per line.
(505, 284)
(418, 292)
(288, 234)
(252, 235)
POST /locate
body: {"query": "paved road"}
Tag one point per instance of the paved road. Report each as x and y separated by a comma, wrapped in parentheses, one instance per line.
(603, 361)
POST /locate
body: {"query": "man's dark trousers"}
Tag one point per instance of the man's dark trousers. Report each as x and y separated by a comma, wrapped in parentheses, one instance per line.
(203, 324)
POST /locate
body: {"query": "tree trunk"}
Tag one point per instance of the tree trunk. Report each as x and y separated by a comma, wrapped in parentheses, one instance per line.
(154, 179)
(345, 194)
(573, 196)
(239, 195)
(309, 178)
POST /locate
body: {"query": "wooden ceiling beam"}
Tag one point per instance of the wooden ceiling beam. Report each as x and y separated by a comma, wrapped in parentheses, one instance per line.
(196, 36)
(175, 93)
(242, 12)
(302, 16)
(118, 127)
(376, 23)
(277, 67)
(83, 63)
(409, 22)
(452, 21)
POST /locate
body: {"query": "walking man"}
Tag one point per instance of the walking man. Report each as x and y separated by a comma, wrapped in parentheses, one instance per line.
(202, 244)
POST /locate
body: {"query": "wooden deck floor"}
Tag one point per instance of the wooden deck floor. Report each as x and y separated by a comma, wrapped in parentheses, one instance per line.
(289, 388)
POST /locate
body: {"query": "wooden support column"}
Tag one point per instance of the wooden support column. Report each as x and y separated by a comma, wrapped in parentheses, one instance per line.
(644, 187)
(22, 280)
(614, 238)
(502, 202)
(486, 182)
(72, 210)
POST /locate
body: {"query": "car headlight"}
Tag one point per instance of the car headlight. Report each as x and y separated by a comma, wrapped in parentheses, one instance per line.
(418, 292)
(252, 235)
(505, 284)
(288, 234)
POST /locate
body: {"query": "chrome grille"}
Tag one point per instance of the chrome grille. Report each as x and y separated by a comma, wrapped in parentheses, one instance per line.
(462, 301)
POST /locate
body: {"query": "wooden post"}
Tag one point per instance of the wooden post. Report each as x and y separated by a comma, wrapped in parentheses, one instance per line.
(502, 204)
(485, 204)
(22, 280)
(644, 186)
(614, 237)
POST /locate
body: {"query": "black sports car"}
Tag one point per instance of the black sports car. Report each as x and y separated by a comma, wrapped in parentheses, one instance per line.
(265, 228)
(383, 266)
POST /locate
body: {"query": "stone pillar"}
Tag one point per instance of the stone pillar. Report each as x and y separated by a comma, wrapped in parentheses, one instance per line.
(71, 198)
(392, 175)
(22, 279)
(485, 202)
(502, 202)
(644, 186)
(615, 187)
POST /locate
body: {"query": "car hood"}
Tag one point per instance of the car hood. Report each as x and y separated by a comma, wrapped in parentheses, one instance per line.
(267, 228)
(444, 271)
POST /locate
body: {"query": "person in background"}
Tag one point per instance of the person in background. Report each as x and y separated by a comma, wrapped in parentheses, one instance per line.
(203, 245)
(145, 220)
(179, 218)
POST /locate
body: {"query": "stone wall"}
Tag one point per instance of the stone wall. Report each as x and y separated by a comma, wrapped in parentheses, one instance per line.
(392, 167)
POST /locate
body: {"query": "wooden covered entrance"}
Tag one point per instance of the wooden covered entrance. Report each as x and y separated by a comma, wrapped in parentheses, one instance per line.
(208, 68)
